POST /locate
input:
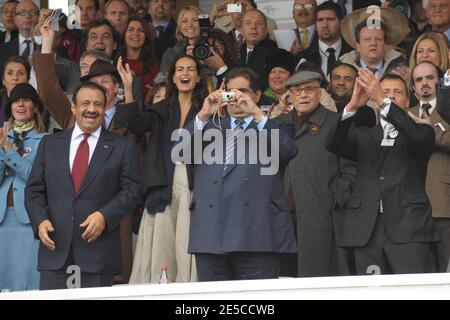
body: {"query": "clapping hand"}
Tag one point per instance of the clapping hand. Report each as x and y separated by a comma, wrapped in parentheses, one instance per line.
(425, 119)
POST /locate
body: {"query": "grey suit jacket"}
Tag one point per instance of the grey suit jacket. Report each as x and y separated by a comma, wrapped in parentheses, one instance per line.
(111, 185)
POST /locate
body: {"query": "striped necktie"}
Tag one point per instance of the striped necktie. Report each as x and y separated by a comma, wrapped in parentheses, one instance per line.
(231, 142)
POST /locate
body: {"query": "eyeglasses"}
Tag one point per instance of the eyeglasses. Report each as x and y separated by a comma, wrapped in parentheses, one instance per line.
(298, 91)
(31, 12)
(307, 7)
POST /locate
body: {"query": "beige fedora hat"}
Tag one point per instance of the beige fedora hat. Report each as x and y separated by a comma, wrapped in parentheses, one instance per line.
(396, 24)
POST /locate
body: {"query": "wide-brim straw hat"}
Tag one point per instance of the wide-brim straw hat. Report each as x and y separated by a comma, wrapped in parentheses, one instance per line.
(396, 24)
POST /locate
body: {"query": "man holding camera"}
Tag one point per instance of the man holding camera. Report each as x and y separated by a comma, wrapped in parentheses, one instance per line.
(239, 218)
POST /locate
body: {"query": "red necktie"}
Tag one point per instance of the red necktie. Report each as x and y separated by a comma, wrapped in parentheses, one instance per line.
(80, 163)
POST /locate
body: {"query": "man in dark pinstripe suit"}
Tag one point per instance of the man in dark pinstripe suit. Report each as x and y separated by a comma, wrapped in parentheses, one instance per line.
(83, 182)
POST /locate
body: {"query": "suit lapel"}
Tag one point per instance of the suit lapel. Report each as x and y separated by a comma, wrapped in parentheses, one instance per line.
(62, 151)
(102, 151)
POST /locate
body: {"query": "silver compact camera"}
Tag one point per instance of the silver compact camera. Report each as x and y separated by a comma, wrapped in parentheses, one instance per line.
(229, 96)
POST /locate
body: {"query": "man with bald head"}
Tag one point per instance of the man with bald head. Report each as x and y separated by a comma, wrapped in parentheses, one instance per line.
(256, 46)
(438, 14)
(26, 16)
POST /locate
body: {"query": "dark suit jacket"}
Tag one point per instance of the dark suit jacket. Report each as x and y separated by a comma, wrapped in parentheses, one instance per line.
(14, 35)
(257, 60)
(394, 174)
(312, 53)
(111, 186)
(166, 40)
(242, 210)
(8, 50)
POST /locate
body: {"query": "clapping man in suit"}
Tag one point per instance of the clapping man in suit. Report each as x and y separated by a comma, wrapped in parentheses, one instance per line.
(83, 182)
(239, 221)
(26, 16)
(425, 77)
(388, 221)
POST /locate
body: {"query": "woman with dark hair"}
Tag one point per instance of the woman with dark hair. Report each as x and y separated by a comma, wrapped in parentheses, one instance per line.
(221, 59)
(19, 141)
(164, 231)
(138, 52)
(15, 70)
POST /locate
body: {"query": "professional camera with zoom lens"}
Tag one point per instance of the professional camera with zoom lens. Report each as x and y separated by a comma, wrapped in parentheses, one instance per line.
(201, 50)
(402, 6)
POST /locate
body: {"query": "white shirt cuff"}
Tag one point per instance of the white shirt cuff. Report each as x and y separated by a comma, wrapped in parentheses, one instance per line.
(199, 123)
(447, 79)
(346, 114)
(262, 123)
(221, 70)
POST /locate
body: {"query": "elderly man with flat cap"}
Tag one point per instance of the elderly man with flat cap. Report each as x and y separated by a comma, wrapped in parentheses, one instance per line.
(318, 182)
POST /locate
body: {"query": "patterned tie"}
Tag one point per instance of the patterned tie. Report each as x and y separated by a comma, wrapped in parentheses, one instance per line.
(26, 53)
(304, 38)
(249, 55)
(80, 163)
(231, 142)
(331, 62)
(425, 110)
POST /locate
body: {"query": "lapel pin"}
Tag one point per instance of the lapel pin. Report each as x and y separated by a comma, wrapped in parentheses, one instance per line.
(26, 152)
(393, 134)
(314, 128)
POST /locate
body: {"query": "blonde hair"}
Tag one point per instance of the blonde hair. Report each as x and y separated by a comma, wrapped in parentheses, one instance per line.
(38, 121)
(181, 14)
(440, 45)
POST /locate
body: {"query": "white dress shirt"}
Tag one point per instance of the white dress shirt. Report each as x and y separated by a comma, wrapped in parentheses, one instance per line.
(109, 115)
(311, 29)
(77, 138)
(337, 46)
(23, 45)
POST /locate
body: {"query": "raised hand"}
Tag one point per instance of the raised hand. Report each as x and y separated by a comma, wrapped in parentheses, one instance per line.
(48, 36)
(358, 100)
(211, 105)
(371, 85)
(296, 47)
(215, 61)
(424, 120)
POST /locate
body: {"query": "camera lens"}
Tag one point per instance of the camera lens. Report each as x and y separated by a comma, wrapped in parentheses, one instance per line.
(201, 52)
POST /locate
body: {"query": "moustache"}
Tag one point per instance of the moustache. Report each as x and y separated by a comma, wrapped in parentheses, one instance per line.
(91, 114)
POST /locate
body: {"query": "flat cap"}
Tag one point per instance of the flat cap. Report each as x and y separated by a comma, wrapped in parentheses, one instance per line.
(303, 77)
